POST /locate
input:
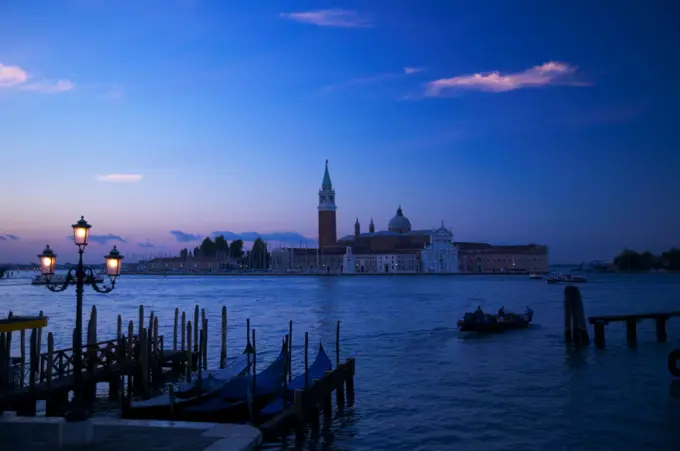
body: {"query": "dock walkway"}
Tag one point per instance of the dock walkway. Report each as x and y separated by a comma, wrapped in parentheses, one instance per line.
(112, 434)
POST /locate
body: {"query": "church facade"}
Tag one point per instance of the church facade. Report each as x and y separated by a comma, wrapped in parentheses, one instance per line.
(399, 249)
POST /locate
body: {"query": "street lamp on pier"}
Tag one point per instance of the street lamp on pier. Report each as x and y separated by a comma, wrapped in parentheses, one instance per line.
(79, 276)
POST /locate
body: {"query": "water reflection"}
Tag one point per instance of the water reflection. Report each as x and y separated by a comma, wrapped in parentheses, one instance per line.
(419, 384)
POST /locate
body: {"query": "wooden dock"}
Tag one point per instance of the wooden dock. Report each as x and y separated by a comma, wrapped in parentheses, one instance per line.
(140, 357)
(49, 376)
(631, 320)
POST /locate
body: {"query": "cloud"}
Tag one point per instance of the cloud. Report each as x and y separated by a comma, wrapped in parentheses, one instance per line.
(120, 178)
(101, 239)
(330, 18)
(283, 237)
(115, 93)
(412, 70)
(49, 88)
(550, 73)
(16, 77)
(8, 237)
(185, 237)
(373, 79)
(11, 76)
(146, 244)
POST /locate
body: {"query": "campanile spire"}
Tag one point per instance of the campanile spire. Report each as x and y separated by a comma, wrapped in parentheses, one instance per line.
(327, 207)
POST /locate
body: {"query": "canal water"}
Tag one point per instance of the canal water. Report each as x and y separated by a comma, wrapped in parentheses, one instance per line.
(420, 385)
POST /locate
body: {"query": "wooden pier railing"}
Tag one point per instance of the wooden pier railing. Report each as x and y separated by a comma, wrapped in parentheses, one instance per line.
(631, 325)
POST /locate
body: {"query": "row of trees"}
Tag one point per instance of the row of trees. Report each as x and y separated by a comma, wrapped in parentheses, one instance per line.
(630, 260)
(257, 258)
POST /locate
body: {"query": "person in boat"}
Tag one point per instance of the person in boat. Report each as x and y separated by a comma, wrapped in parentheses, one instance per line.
(501, 314)
(479, 315)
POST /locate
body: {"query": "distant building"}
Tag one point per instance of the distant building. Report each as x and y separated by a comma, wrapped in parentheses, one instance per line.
(486, 258)
(399, 249)
(221, 262)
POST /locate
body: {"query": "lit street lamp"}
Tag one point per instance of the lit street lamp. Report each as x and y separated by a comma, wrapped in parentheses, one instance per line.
(79, 276)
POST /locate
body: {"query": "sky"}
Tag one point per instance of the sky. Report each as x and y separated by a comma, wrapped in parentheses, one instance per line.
(163, 121)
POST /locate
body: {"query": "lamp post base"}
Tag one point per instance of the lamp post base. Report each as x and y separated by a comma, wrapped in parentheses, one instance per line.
(76, 433)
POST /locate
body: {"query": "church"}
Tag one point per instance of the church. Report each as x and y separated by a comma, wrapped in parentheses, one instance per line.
(399, 249)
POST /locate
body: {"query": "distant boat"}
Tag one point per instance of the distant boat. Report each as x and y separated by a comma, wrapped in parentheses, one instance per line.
(535, 276)
(565, 278)
(59, 278)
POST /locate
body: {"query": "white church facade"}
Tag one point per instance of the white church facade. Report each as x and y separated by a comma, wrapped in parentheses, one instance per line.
(439, 256)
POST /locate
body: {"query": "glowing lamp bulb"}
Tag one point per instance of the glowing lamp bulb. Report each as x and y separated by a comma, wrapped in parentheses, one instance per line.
(80, 233)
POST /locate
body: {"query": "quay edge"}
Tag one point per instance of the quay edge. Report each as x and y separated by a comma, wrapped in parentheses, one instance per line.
(41, 433)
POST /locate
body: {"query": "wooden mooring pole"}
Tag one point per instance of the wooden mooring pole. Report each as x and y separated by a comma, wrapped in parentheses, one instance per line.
(340, 390)
(249, 349)
(204, 358)
(223, 338)
(575, 328)
(128, 359)
(196, 327)
(174, 330)
(184, 331)
(189, 366)
(290, 350)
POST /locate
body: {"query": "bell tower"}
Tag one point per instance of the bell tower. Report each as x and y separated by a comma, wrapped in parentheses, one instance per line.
(327, 224)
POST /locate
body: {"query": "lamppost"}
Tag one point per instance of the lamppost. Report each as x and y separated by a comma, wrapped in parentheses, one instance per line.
(79, 276)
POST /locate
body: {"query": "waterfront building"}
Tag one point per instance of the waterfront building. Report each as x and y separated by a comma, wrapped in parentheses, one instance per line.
(221, 262)
(399, 248)
(486, 258)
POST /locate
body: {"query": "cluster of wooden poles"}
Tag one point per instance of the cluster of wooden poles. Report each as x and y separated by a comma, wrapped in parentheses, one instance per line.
(13, 376)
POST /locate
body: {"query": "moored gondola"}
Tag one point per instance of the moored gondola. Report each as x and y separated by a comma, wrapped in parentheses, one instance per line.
(240, 397)
(165, 406)
(317, 370)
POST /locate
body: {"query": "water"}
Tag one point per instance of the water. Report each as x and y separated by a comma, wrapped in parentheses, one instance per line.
(419, 384)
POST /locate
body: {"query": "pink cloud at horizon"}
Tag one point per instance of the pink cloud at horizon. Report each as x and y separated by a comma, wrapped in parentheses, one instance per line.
(16, 77)
(550, 73)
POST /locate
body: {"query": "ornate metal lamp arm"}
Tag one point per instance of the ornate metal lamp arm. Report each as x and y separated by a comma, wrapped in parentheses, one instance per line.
(104, 287)
(70, 280)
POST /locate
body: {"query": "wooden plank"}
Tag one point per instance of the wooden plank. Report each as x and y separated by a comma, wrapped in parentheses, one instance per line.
(17, 323)
(634, 316)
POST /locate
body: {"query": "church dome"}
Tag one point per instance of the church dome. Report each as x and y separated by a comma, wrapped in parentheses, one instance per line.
(400, 223)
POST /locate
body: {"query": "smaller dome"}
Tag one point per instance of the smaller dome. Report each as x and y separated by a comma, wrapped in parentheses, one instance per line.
(399, 223)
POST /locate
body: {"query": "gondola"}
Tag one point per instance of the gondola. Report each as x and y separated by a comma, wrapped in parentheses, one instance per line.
(214, 377)
(321, 364)
(488, 323)
(238, 399)
(166, 406)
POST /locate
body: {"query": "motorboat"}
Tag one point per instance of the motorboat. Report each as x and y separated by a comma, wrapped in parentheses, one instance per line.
(535, 276)
(479, 321)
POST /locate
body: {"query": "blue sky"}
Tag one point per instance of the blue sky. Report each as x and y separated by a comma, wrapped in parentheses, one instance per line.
(512, 121)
